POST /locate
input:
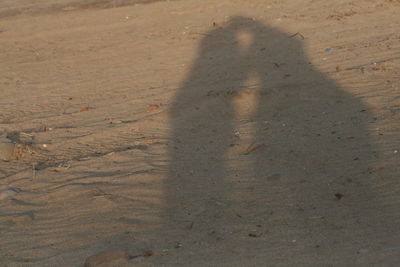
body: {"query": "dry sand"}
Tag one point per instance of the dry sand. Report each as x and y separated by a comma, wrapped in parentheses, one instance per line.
(211, 133)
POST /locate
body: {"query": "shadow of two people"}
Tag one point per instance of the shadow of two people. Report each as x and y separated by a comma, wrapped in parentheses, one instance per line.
(254, 84)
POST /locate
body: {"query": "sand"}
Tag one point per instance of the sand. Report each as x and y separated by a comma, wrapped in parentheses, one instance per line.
(200, 133)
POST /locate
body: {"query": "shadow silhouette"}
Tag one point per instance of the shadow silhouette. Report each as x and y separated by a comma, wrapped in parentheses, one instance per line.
(267, 153)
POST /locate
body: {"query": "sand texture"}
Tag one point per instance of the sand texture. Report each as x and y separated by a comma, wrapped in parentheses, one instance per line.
(200, 133)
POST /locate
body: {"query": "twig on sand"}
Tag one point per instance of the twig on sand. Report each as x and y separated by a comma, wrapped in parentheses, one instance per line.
(299, 34)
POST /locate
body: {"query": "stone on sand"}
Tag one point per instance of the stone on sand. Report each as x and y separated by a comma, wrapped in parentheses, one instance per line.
(7, 149)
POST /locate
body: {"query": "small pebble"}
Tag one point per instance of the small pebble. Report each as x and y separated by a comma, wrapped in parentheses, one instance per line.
(6, 150)
(178, 244)
(362, 251)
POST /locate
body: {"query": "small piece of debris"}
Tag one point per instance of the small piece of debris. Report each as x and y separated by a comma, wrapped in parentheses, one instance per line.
(253, 147)
(83, 109)
(152, 107)
(339, 68)
(61, 167)
(339, 196)
(147, 253)
(178, 244)
(362, 251)
(26, 138)
(152, 142)
(297, 34)
(255, 234)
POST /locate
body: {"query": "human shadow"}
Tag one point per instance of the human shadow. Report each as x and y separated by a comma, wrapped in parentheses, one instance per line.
(266, 150)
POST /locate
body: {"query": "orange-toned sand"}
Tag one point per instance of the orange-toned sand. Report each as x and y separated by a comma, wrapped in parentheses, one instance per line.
(200, 133)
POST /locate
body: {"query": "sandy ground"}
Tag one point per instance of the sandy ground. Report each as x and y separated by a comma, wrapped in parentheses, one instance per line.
(211, 133)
